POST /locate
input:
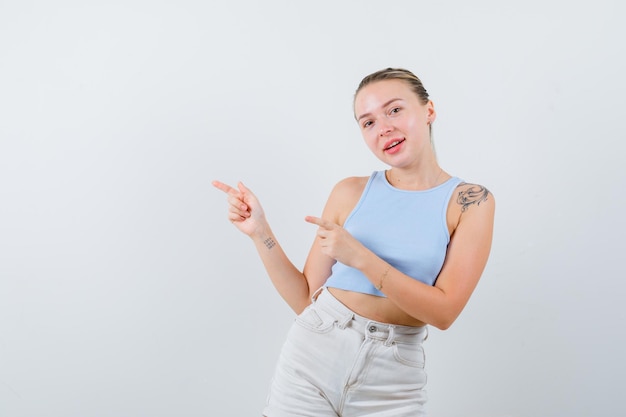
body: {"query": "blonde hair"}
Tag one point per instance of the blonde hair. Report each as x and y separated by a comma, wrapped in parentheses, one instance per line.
(396, 74)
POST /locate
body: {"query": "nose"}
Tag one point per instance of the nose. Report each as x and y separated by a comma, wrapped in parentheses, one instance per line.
(385, 127)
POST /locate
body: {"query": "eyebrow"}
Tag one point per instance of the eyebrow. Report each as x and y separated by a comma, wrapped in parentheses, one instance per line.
(383, 106)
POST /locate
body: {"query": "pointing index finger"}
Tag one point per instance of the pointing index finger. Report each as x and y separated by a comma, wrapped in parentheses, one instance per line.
(224, 187)
(320, 222)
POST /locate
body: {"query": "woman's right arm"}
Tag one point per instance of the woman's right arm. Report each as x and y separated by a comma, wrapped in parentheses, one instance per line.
(296, 288)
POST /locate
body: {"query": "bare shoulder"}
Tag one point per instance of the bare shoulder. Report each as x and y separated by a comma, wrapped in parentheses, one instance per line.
(344, 197)
(468, 195)
(472, 202)
(351, 185)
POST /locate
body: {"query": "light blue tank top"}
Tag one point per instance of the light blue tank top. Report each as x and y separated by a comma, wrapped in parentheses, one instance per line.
(407, 229)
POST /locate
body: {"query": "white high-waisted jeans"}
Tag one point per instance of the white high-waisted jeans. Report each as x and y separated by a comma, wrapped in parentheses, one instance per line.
(337, 363)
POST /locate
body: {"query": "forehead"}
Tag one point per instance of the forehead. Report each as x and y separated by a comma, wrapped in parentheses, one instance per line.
(378, 93)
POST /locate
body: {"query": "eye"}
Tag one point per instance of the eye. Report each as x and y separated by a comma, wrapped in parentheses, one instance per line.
(367, 123)
(395, 110)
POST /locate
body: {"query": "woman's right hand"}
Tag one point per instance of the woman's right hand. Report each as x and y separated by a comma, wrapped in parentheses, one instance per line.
(244, 209)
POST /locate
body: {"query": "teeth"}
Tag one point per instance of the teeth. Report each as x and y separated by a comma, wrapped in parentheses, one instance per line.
(394, 143)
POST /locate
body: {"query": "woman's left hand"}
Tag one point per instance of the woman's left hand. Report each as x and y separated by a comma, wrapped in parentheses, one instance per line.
(337, 243)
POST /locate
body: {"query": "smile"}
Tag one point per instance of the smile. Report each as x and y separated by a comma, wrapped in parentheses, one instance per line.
(394, 144)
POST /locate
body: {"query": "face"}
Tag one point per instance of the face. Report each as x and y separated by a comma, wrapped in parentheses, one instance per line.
(394, 122)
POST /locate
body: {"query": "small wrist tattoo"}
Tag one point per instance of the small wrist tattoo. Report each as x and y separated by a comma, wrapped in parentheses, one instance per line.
(269, 243)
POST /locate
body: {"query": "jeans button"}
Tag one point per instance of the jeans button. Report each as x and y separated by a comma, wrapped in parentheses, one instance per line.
(372, 329)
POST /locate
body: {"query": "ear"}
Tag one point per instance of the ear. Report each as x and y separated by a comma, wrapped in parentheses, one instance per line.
(430, 112)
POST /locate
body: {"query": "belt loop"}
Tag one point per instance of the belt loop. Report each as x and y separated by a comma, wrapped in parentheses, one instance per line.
(392, 335)
(345, 321)
(316, 294)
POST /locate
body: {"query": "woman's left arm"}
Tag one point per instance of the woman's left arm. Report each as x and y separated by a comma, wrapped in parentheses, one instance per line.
(466, 258)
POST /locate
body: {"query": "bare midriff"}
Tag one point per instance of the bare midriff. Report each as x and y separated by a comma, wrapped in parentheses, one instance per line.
(374, 308)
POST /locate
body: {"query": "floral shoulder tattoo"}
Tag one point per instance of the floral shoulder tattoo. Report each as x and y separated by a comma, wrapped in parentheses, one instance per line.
(474, 194)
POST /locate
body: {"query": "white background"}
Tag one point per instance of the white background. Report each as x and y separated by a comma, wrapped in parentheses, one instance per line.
(124, 290)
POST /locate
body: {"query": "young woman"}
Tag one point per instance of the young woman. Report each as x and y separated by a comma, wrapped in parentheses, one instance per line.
(394, 252)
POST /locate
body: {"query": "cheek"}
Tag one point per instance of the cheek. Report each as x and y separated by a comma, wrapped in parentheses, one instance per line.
(370, 140)
(414, 123)
(417, 126)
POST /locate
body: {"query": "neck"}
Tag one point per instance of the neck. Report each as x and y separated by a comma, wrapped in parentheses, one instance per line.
(409, 180)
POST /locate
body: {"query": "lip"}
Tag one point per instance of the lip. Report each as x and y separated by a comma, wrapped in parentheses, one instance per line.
(399, 141)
